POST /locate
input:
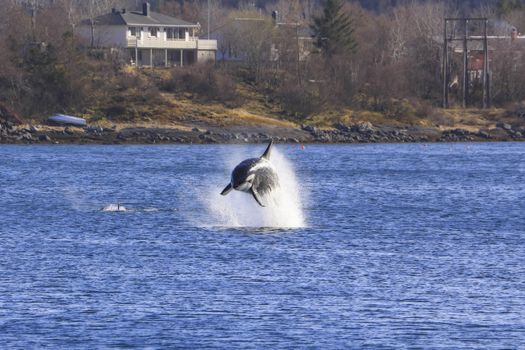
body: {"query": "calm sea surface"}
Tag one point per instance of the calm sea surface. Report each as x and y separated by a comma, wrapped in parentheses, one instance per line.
(403, 246)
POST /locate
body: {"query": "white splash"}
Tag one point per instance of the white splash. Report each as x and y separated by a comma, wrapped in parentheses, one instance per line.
(78, 200)
(114, 207)
(239, 209)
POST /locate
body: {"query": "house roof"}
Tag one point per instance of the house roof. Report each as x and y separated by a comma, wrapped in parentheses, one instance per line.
(154, 18)
(136, 18)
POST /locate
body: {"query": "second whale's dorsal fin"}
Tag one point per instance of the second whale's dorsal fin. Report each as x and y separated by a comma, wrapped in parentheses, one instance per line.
(268, 152)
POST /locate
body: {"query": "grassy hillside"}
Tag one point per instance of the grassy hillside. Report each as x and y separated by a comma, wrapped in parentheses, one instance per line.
(138, 98)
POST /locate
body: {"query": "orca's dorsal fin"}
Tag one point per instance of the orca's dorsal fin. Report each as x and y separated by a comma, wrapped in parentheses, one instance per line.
(268, 152)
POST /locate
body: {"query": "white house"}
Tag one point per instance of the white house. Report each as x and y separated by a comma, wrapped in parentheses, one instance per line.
(151, 38)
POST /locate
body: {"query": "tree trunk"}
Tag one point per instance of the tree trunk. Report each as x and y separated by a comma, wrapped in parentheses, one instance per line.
(92, 33)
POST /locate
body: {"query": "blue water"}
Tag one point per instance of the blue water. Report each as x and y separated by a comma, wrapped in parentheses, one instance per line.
(404, 246)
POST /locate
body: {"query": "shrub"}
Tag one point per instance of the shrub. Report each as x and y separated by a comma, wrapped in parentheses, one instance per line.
(390, 107)
(205, 81)
(298, 101)
(115, 111)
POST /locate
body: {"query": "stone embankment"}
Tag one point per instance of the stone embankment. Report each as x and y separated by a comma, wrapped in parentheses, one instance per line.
(367, 133)
(363, 132)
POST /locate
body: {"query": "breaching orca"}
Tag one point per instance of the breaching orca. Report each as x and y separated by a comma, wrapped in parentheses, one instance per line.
(256, 176)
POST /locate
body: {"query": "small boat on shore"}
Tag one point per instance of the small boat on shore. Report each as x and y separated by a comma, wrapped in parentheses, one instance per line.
(64, 119)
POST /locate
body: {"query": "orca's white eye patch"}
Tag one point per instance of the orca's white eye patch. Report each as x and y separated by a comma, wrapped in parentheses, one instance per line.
(245, 186)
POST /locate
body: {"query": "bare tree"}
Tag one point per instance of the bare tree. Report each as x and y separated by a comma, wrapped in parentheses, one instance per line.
(90, 9)
(247, 36)
(72, 11)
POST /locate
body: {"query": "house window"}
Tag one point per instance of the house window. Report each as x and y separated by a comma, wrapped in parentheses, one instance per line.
(176, 33)
(153, 31)
(135, 32)
(170, 33)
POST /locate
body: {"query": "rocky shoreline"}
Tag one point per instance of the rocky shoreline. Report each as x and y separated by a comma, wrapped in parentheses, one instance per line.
(363, 132)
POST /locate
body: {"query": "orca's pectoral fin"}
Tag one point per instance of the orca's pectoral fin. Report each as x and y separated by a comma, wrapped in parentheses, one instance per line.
(268, 152)
(257, 198)
(227, 189)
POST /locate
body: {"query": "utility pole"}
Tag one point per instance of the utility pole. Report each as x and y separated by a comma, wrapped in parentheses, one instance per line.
(465, 64)
(445, 66)
(486, 81)
(464, 38)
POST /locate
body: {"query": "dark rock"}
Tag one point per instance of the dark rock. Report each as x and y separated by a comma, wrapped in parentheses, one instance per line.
(341, 127)
(520, 111)
(483, 134)
(25, 137)
(363, 127)
(498, 133)
(460, 132)
(68, 130)
(33, 129)
(401, 133)
(504, 126)
(93, 129)
(45, 138)
(309, 128)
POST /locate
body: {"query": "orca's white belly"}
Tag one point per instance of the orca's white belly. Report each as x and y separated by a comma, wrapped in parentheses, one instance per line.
(245, 187)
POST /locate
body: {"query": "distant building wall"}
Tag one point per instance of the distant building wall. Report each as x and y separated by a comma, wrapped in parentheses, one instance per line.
(205, 55)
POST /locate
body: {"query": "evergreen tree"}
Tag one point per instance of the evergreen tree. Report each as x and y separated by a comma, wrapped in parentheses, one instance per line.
(333, 30)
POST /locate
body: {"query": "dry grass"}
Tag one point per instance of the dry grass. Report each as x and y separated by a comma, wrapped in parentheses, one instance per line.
(189, 110)
(145, 106)
(472, 119)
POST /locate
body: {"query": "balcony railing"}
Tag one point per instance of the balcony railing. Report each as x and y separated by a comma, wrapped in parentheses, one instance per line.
(160, 43)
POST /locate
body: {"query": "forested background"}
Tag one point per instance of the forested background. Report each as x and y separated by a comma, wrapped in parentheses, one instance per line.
(383, 56)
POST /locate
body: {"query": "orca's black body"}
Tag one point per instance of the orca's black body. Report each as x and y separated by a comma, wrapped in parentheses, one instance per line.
(256, 176)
